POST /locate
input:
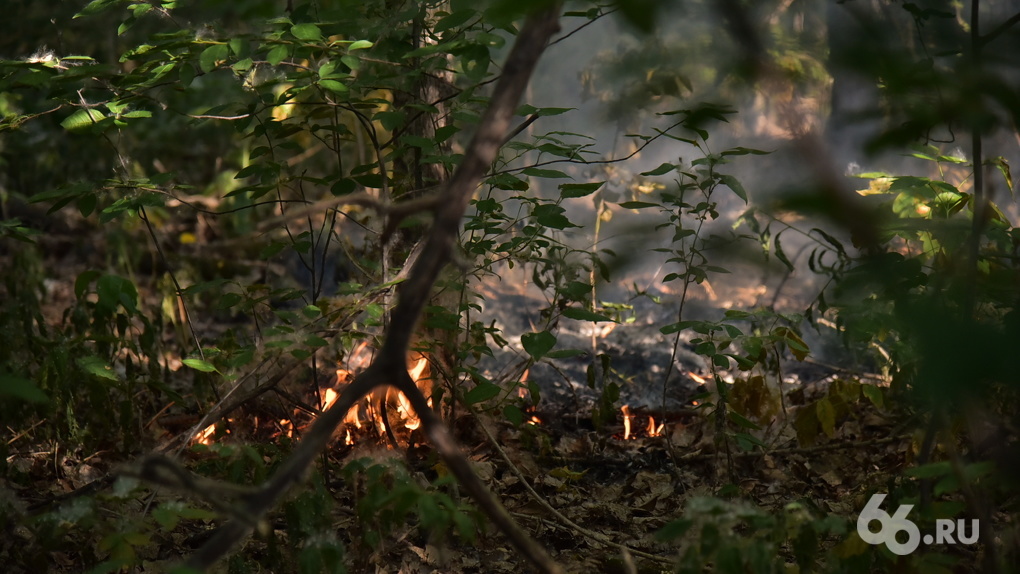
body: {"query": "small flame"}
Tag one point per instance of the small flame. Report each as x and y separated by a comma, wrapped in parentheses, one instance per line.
(697, 378)
(287, 428)
(206, 434)
(626, 421)
(652, 429)
(411, 420)
(522, 388)
(366, 411)
(329, 396)
(404, 408)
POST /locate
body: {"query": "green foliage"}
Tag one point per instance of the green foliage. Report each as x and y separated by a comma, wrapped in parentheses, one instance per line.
(289, 126)
(387, 494)
(733, 536)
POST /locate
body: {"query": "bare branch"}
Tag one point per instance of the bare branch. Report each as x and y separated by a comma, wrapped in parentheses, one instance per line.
(390, 365)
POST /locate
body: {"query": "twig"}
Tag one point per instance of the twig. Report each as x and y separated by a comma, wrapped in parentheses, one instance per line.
(799, 450)
(599, 537)
(173, 277)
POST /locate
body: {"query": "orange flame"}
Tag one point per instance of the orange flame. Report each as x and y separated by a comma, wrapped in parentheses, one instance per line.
(522, 385)
(626, 421)
(411, 420)
(652, 429)
(329, 396)
(205, 435)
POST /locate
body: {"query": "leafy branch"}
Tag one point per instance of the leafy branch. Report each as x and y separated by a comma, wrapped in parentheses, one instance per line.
(389, 367)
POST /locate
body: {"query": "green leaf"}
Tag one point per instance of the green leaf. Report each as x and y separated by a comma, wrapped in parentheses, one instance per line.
(453, 20)
(306, 32)
(508, 182)
(98, 7)
(529, 110)
(343, 187)
(676, 327)
(549, 173)
(390, 120)
(277, 54)
(200, 365)
(475, 61)
(359, 45)
(329, 70)
(351, 61)
(780, 254)
(931, 470)
(315, 341)
(538, 344)
(826, 414)
(874, 394)
(572, 190)
(637, 204)
(228, 300)
(114, 291)
(584, 315)
(735, 185)
(742, 421)
(334, 86)
(87, 204)
(514, 414)
(20, 388)
(551, 216)
(663, 169)
(97, 367)
(482, 392)
(212, 56)
(82, 119)
(740, 150)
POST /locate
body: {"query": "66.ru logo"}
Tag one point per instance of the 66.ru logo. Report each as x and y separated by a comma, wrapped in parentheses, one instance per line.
(889, 526)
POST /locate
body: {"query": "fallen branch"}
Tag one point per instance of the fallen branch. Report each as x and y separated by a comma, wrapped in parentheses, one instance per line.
(389, 367)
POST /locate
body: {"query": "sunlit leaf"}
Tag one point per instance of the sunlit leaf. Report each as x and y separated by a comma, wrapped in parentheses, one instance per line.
(200, 365)
(98, 367)
(82, 119)
(97, 7)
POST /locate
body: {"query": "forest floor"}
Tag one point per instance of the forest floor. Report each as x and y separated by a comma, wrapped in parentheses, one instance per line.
(594, 495)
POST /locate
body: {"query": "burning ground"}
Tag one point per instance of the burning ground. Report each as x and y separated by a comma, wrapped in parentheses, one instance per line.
(594, 480)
